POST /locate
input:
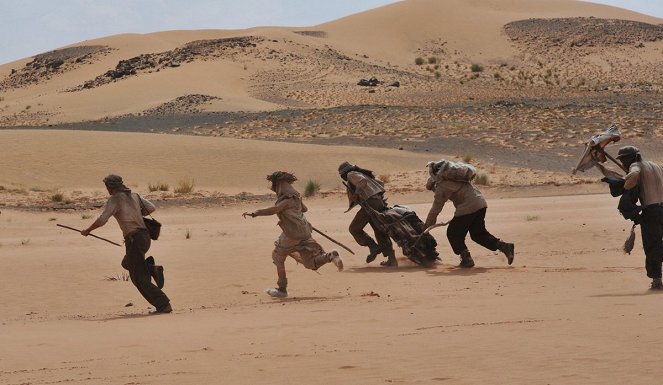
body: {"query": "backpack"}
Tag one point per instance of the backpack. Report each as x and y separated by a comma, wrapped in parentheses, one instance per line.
(455, 171)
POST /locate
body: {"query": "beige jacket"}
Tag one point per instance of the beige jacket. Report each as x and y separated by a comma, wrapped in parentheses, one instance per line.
(290, 210)
(125, 207)
(465, 196)
(364, 187)
(649, 176)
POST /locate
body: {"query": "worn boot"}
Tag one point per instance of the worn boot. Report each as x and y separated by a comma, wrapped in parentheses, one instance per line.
(155, 271)
(466, 260)
(391, 260)
(281, 291)
(374, 250)
(507, 249)
(656, 284)
(336, 259)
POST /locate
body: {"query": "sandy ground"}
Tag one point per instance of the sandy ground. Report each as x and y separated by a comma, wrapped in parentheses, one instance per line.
(572, 309)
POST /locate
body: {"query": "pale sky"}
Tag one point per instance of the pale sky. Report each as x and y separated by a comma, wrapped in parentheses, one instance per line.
(29, 27)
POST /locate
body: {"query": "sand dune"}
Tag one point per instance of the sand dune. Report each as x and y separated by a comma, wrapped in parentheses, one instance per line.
(319, 66)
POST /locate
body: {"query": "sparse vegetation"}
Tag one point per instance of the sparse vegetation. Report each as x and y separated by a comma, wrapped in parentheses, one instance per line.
(432, 60)
(476, 68)
(438, 75)
(497, 76)
(184, 186)
(482, 179)
(118, 277)
(311, 188)
(28, 107)
(57, 197)
(159, 186)
(467, 158)
(2, 188)
(419, 61)
(187, 234)
(531, 218)
(25, 242)
(86, 216)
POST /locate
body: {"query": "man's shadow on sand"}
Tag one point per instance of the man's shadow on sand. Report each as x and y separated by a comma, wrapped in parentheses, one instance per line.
(128, 316)
(436, 270)
(637, 294)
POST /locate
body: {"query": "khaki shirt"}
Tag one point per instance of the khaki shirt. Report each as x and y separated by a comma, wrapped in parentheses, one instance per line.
(127, 211)
(649, 176)
(465, 196)
(364, 187)
(290, 210)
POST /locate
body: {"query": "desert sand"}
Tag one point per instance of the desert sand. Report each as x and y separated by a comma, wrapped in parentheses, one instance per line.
(495, 83)
(571, 309)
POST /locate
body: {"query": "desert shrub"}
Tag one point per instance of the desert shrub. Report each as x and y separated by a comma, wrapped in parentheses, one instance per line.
(2, 188)
(419, 61)
(311, 188)
(476, 68)
(86, 216)
(482, 179)
(531, 218)
(437, 75)
(187, 235)
(497, 76)
(159, 186)
(184, 186)
(467, 158)
(118, 277)
(432, 60)
(57, 197)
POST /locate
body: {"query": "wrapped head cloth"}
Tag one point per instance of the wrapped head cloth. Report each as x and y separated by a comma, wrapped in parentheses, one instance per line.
(281, 176)
(345, 168)
(115, 183)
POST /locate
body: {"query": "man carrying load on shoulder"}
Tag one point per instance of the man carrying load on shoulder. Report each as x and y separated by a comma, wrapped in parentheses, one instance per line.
(453, 181)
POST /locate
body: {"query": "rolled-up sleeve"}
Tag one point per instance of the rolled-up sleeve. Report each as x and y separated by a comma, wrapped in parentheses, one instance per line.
(147, 206)
(633, 177)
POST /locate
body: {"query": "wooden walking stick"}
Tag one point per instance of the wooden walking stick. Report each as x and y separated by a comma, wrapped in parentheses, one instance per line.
(92, 235)
(333, 240)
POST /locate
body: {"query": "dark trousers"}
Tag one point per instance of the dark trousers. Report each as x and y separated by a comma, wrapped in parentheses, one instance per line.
(651, 228)
(361, 219)
(137, 245)
(475, 224)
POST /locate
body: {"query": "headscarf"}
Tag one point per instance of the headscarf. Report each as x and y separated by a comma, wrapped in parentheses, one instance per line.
(280, 176)
(115, 183)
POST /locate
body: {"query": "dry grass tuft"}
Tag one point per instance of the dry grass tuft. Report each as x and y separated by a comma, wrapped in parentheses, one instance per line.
(184, 186)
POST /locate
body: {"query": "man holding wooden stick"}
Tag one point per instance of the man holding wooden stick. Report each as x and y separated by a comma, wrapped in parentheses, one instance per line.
(128, 209)
(295, 240)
